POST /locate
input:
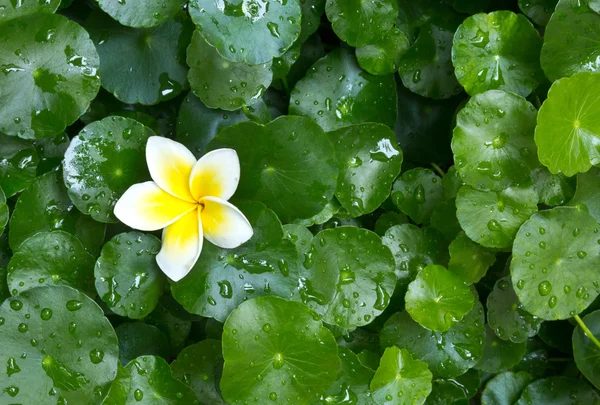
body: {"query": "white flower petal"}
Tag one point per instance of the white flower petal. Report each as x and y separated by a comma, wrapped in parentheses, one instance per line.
(170, 164)
(147, 207)
(181, 246)
(216, 174)
(224, 225)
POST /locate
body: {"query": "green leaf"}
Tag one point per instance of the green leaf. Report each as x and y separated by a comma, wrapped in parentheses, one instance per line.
(443, 218)
(587, 197)
(199, 366)
(417, 193)
(553, 189)
(5, 252)
(499, 50)
(369, 161)
(336, 93)
(154, 69)
(469, 6)
(173, 321)
(585, 351)
(448, 354)
(50, 75)
(468, 260)
(221, 83)
(51, 152)
(224, 278)
(18, 163)
(10, 9)
(148, 379)
(263, 30)
(4, 212)
(389, 219)
(45, 206)
(553, 266)
(559, 390)
(128, 279)
(383, 56)
(51, 258)
(437, 299)
(102, 162)
(564, 55)
(293, 359)
(300, 236)
(4, 293)
(312, 11)
(400, 379)
(70, 348)
(538, 11)
(452, 183)
(492, 218)
(506, 315)
(505, 388)
(493, 140)
(446, 392)
(290, 156)
(566, 124)
(499, 355)
(140, 13)
(138, 339)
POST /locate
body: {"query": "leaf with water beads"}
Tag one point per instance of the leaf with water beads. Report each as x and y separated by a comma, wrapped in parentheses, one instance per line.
(51, 152)
(312, 11)
(505, 388)
(128, 279)
(148, 379)
(49, 75)
(553, 189)
(443, 219)
(559, 390)
(275, 350)
(388, 220)
(585, 350)
(499, 50)
(140, 13)
(587, 193)
(554, 259)
(499, 355)
(173, 321)
(417, 193)
(138, 339)
(468, 260)
(18, 163)
(383, 56)
(538, 11)
(56, 343)
(10, 9)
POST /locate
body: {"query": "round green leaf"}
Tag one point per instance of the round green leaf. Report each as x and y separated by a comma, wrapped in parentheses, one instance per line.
(127, 277)
(468, 260)
(290, 156)
(293, 359)
(51, 258)
(173, 321)
(18, 163)
(49, 75)
(400, 379)
(262, 30)
(51, 152)
(417, 193)
(105, 159)
(559, 390)
(554, 263)
(585, 351)
(199, 367)
(300, 236)
(369, 160)
(567, 132)
(538, 11)
(452, 182)
(221, 83)
(492, 218)
(139, 339)
(505, 388)
(148, 379)
(506, 315)
(282, 65)
(4, 213)
(443, 218)
(564, 55)
(56, 343)
(154, 69)
(437, 299)
(446, 392)
(10, 9)
(448, 354)
(336, 92)
(499, 50)
(383, 56)
(312, 11)
(587, 194)
(499, 355)
(45, 206)
(140, 13)
(493, 140)
(553, 189)
(389, 219)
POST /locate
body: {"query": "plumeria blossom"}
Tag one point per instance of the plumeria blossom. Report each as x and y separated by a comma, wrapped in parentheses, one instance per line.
(188, 200)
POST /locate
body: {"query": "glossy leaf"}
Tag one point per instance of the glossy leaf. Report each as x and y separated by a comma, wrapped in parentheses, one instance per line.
(18, 163)
(139, 13)
(505, 388)
(499, 355)
(538, 11)
(50, 152)
(4, 213)
(587, 197)
(559, 390)
(10, 9)
(383, 56)
(468, 260)
(138, 339)
(417, 193)
(585, 350)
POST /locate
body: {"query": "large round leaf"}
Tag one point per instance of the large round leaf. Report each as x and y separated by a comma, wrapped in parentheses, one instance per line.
(10, 9)
(587, 194)
(250, 31)
(221, 83)
(45, 206)
(417, 193)
(140, 13)
(49, 75)
(499, 355)
(505, 388)
(554, 263)
(287, 158)
(493, 140)
(18, 163)
(336, 92)
(127, 277)
(567, 131)
(293, 359)
(585, 350)
(56, 343)
(491, 218)
(369, 160)
(154, 69)
(105, 159)
(559, 390)
(360, 23)
(138, 339)
(539, 11)
(499, 50)
(383, 57)
(51, 258)
(564, 55)
(468, 260)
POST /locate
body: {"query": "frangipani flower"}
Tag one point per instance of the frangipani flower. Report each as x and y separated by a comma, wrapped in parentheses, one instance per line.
(187, 198)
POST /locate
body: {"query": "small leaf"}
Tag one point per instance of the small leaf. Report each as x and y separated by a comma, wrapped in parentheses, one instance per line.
(468, 260)
(138, 339)
(505, 388)
(417, 193)
(383, 56)
(499, 355)
(18, 163)
(538, 11)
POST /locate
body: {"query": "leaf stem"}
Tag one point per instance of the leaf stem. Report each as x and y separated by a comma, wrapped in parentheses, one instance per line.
(438, 169)
(587, 332)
